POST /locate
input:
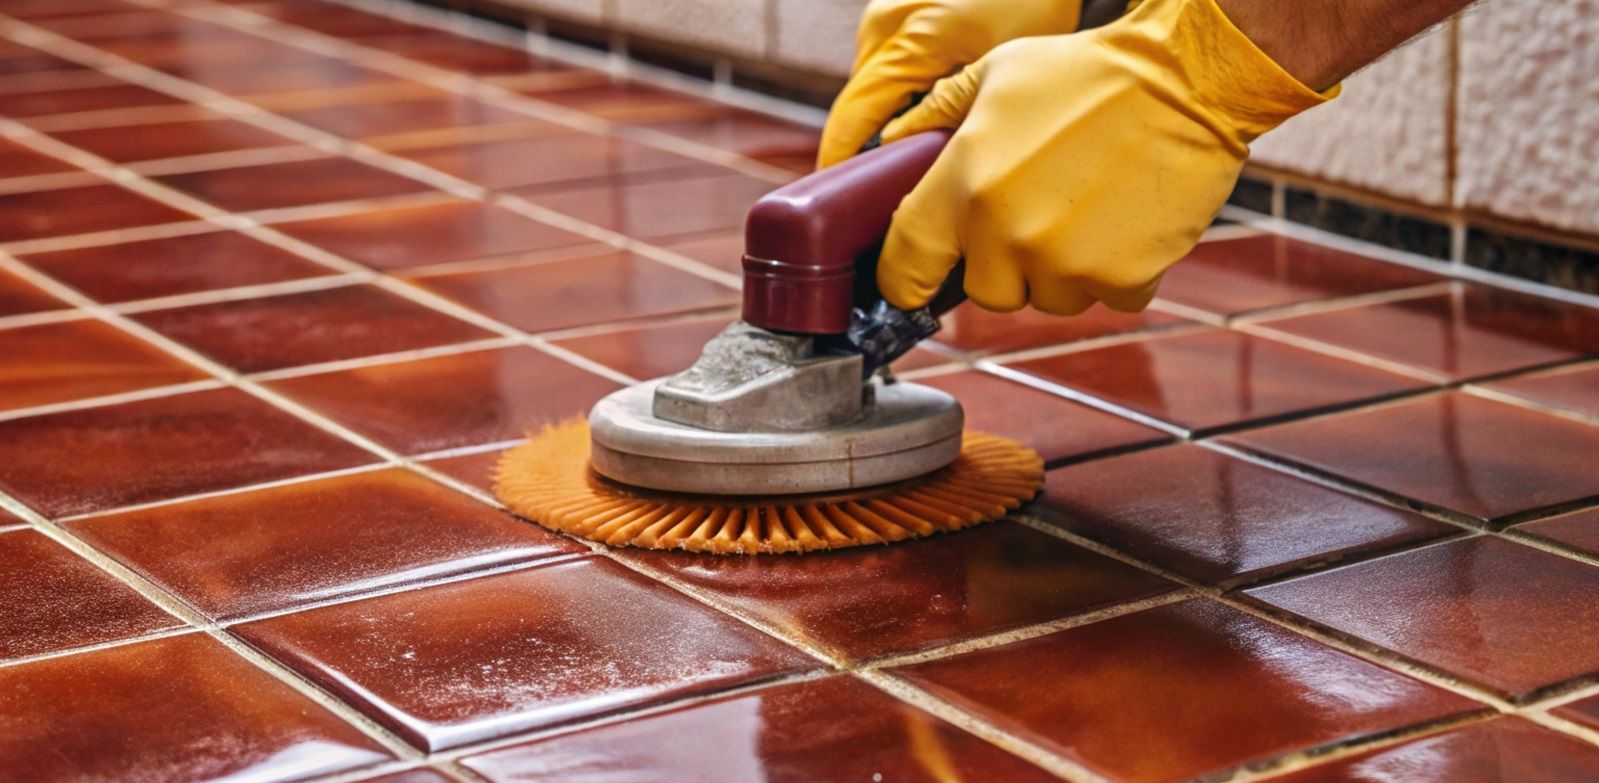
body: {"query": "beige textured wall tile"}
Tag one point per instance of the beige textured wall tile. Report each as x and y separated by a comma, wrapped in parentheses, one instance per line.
(736, 27)
(1529, 111)
(817, 35)
(1388, 131)
(586, 11)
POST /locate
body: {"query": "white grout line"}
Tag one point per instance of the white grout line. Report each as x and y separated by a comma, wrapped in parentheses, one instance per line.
(243, 489)
(1077, 396)
(105, 400)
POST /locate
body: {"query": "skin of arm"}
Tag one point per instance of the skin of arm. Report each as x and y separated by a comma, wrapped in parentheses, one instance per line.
(1320, 42)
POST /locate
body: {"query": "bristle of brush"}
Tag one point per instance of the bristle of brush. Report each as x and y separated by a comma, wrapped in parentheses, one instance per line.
(548, 480)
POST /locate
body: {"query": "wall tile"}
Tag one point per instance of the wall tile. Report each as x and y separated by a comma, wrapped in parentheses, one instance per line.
(736, 27)
(817, 35)
(586, 11)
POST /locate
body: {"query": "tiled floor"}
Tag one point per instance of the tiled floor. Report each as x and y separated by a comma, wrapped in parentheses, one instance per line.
(279, 278)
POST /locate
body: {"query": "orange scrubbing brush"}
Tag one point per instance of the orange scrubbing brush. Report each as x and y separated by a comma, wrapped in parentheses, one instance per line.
(548, 480)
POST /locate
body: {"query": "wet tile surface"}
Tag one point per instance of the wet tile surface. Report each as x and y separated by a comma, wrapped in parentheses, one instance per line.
(838, 728)
(90, 716)
(1499, 751)
(315, 541)
(1216, 378)
(517, 651)
(1180, 691)
(72, 360)
(1515, 641)
(1456, 451)
(1221, 520)
(450, 231)
(1232, 276)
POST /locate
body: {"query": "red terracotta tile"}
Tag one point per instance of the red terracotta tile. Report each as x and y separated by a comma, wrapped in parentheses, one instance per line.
(1216, 378)
(19, 161)
(553, 160)
(1457, 451)
(652, 351)
(446, 110)
(112, 94)
(1574, 389)
(132, 143)
(287, 330)
(876, 601)
(551, 295)
(975, 330)
(450, 401)
(1474, 331)
(1505, 750)
(397, 238)
(721, 249)
(54, 600)
(304, 73)
(621, 100)
(336, 20)
(658, 208)
(1058, 428)
(1579, 530)
(281, 547)
(72, 360)
(463, 662)
(137, 452)
(1252, 273)
(421, 775)
(173, 265)
(16, 59)
(182, 708)
(476, 469)
(838, 728)
(1508, 616)
(746, 132)
(1220, 520)
(1584, 711)
(275, 185)
(460, 53)
(79, 210)
(1181, 691)
(18, 297)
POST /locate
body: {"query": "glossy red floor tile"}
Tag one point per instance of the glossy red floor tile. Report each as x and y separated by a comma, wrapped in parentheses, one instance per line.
(746, 132)
(1578, 530)
(457, 663)
(722, 249)
(1471, 332)
(1220, 520)
(314, 541)
(476, 469)
(837, 728)
(1505, 750)
(17, 160)
(109, 94)
(877, 601)
(461, 54)
(79, 210)
(974, 330)
(1505, 615)
(337, 20)
(451, 401)
(551, 295)
(173, 265)
(658, 208)
(1057, 428)
(1180, 691)
(1456, 451)
(293, 184)
(53, 600)
(133, 143)
(19, 297)
(617, 99)
(653, 351)
(1583, 711)
(1217, 378)
(441, 233)
(287, 330)
(553, 161)
(1575, 389)
(183, 708)
(70, 360)
(368, 120)
(421, 775)
(304, 73)
(1232, 276)
(137, 452)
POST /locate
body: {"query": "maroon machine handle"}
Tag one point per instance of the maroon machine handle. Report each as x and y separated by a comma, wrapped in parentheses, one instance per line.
(802, 241)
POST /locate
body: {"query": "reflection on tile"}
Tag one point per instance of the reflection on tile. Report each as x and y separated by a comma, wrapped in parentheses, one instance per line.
(113, 94)
(461, 53)
(1504, 750)
(19, 161)
(869, 602)
(658, 208)
(137, 452)
(287, 330)
(1575, 389)
(292, 184)
(1457, 451)
(1508, 616)
(73, 360)
(620, 100)
(463, 662)
(397, 238)
(1216, 378)
(746, 132)
(51, 599)
(1471, 332)
(182, 708)
(973, 329)
(130, 143)
(366, 120)
(305, 72)
(1579, 530)
(650, 351)
(1251, 273)
(476, 469)
(79, 210)
(1220, 520)
(837, 728)
(174, 265)
(551, 295)
(313, 541)
(1180, 691)
(552, 160)
(18, 296)
(450, 401)
(1057, 428)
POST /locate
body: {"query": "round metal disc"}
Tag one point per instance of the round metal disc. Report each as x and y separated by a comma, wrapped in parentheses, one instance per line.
(911, 430)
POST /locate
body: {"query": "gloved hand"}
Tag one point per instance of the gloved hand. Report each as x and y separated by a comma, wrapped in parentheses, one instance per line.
(1084, 165)
(904, 46)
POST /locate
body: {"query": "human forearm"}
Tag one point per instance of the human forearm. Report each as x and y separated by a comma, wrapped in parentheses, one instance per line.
(1322, 41)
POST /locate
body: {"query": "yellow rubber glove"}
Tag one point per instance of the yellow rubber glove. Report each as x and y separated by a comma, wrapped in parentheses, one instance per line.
(904, 46)
(1084, 165)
